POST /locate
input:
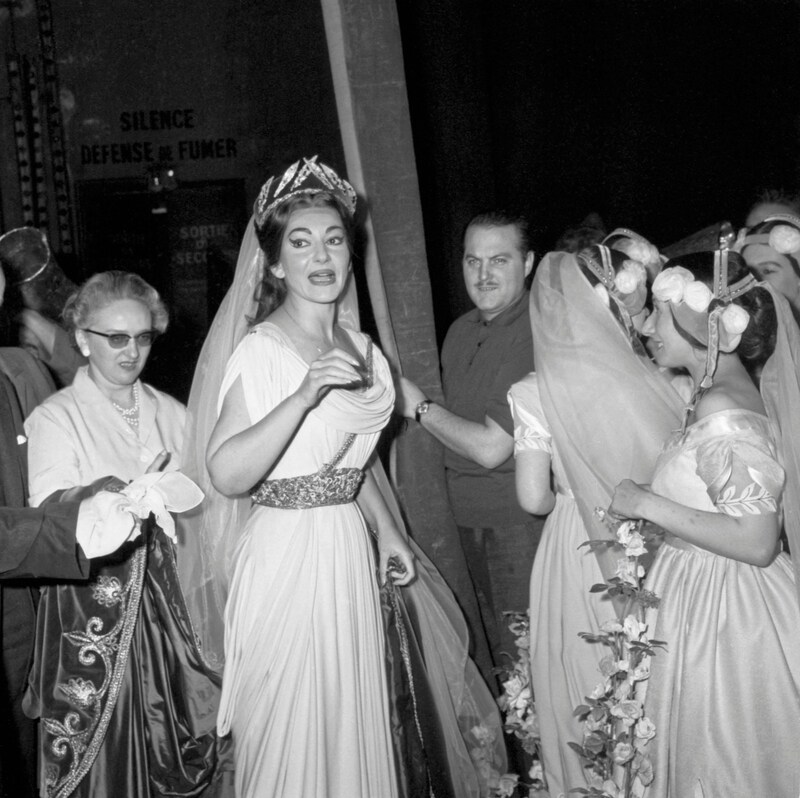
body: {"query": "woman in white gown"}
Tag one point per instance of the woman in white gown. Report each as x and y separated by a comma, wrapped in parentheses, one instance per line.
(725, 694)
(595, 409)
(301, 405)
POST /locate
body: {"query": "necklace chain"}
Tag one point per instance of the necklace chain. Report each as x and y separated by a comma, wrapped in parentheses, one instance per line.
(130, 414)
(304, 330)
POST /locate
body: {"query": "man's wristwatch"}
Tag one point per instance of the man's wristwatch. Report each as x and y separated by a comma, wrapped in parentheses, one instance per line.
(421, 409)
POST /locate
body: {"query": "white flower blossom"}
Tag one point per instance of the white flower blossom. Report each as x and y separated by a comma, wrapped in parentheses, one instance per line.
(599, 691)
(635, 546)
(697, 296)
(629, 277)
(637, 267)
(735, 319)
(627, 711)
(784, 239)
(634, 628)
(645, 729)
(641, 251)
(622, 753)
(608, 666)
(669, 284)
(628, 572)
(623, 690)
(624, 532)
(610, 627)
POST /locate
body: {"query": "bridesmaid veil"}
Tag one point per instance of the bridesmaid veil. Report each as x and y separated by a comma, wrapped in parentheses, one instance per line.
(207, 539)
(609, 409)
(780, 390)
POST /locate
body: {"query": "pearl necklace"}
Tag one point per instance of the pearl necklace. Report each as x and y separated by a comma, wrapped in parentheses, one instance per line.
(130, 414)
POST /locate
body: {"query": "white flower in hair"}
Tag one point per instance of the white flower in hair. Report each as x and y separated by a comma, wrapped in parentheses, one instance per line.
(629, 277)
(641, 251)
(735, 319)
(670, 284)
(601, 291)
(697, 296)
(784, 239)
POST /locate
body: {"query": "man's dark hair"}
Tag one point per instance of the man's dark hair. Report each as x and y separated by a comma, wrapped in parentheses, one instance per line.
(504, 219)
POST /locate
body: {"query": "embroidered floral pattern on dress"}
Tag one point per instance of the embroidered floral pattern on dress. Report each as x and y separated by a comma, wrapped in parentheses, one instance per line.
(753, 500)
(107, 590)
(78, 737)
(80, 691)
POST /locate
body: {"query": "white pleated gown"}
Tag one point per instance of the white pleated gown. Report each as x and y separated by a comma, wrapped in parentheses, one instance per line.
(304, 689)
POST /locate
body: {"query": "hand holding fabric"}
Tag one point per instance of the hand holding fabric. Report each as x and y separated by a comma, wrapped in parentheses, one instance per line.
(162, 492)
(396, 560)
(107, 520)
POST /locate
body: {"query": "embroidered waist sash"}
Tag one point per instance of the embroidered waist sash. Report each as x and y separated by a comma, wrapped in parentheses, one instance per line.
(325, 488)
(328, 486)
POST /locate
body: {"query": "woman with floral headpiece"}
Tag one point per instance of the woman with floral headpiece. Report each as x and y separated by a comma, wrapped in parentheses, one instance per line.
(291, 400)
(725, 694)
(771, 249)
(595, 409)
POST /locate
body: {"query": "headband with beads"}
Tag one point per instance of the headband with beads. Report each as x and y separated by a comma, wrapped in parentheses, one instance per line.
(302, 177)
(626, 285)
(636, 247)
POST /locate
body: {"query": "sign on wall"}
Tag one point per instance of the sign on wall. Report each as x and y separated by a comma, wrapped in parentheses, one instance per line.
(184, 242)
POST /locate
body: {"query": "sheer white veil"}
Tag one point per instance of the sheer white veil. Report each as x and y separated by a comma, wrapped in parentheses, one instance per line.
(780, 389)
(208, 535)
(609, 409)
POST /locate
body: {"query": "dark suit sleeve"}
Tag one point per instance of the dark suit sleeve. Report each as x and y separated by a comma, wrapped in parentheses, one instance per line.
(39, 542)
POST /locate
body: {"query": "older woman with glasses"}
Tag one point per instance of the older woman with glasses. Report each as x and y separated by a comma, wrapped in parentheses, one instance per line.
(117, 680)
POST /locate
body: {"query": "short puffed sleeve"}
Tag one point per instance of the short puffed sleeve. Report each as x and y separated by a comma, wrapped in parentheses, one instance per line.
(530, 427)
(741, 474)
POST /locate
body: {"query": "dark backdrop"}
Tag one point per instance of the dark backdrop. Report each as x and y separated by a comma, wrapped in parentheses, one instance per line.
(660, 115)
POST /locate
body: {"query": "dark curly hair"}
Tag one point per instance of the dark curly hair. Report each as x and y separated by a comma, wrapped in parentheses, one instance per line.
(271, 291)
(758, 339)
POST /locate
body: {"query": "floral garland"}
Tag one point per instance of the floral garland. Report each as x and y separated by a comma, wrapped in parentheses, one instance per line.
(678, 286)
(617, 731)
(519, 712)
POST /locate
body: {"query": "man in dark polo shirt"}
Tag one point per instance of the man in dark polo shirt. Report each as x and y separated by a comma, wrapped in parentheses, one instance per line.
(486, 350)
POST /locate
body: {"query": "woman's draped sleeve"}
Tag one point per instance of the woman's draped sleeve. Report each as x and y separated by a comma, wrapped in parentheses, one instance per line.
(259, 362)
(741, 474)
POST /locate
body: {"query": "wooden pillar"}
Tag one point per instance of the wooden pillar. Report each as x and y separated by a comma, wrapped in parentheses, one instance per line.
(368, 75)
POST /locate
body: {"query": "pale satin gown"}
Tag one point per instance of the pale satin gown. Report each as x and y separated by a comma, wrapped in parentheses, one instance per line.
(725, 695)
(304, 688)
(564, 667)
